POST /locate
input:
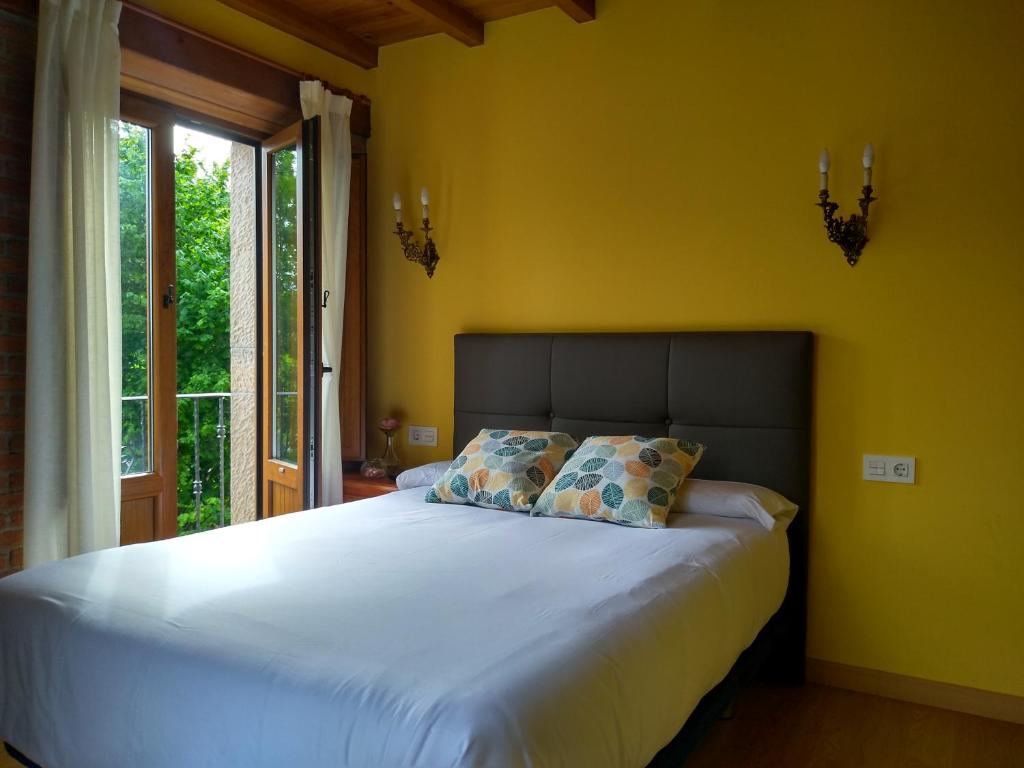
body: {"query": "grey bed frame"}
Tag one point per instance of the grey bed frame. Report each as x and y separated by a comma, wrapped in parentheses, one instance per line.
(746, 395)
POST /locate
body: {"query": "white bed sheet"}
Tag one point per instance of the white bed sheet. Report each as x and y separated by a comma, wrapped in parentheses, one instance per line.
(385, 632)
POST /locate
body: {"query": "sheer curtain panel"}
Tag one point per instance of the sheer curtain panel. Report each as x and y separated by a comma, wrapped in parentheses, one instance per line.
(73, 403)
(334, 112)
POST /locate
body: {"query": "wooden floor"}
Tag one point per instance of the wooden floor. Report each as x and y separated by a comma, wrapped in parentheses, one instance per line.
(781, 727)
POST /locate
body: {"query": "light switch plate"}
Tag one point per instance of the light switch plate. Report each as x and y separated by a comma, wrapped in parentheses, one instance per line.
(422, 435)
(889, 469)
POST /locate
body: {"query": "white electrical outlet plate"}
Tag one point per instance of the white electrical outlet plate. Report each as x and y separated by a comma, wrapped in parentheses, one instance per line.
(889, 469)
(422, 435)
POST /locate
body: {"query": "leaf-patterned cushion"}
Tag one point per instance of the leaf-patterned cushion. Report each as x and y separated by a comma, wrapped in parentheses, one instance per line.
(503, 469)
(628, 480)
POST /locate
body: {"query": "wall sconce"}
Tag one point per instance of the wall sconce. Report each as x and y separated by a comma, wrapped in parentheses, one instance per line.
(850, 235)
(425, 255)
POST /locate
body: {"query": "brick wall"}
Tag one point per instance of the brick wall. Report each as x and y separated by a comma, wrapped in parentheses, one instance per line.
(17, 66)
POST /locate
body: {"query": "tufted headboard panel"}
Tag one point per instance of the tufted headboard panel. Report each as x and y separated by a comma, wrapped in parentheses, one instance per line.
(747, 396)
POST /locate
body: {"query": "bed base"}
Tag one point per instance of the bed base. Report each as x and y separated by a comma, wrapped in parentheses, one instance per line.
(20, 758)
(759, 661)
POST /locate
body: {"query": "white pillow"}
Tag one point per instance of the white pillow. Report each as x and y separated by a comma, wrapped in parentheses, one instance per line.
(428, 474)
(728, 499)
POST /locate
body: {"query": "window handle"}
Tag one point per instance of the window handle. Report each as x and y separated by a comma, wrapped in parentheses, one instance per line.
(169, 296)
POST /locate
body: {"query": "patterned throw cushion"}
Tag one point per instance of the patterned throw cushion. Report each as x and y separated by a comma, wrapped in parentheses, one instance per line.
(503, 469)
(621, 479)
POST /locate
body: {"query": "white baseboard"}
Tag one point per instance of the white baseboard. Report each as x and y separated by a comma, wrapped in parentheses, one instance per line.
(959, 698)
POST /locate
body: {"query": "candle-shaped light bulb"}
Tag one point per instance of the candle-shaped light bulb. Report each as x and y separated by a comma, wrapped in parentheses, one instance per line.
(397, 202)
(425, 200)
(869, 161)
(823, 166)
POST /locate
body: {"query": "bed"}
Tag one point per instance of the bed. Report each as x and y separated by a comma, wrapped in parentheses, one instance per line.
(394, 632)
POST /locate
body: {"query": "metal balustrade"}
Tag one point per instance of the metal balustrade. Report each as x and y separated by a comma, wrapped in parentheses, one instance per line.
(136, 456)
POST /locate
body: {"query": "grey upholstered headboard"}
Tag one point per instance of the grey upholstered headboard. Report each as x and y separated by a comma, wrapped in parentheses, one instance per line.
(746, 395)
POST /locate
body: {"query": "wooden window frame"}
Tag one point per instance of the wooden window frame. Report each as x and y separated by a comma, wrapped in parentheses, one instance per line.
(160, 483)
(294, 477)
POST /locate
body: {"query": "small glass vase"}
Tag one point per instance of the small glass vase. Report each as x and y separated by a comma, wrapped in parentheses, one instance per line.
(390, 458)
(373, 469)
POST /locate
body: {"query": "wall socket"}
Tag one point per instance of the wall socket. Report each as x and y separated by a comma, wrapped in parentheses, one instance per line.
(422, 435)
(889, 469)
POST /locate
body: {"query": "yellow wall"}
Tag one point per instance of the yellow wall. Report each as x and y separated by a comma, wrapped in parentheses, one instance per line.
(657, 170)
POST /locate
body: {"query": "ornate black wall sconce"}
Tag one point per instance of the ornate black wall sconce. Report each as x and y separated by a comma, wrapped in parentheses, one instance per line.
(425, 255)
(851, 235)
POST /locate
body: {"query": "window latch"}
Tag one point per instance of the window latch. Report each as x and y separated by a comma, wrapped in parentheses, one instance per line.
(169, 296)
(324, 305)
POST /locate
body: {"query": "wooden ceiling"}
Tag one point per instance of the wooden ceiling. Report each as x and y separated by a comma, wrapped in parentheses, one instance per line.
(356, 29)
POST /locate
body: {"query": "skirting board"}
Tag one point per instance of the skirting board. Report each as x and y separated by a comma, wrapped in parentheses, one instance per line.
(959, 698)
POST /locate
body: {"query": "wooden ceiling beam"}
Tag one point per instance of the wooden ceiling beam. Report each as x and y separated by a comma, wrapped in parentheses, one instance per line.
(453, 21)
(579, 10)
(304, 26)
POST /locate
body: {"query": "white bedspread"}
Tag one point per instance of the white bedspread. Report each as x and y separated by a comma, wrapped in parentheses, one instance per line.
(386, 632)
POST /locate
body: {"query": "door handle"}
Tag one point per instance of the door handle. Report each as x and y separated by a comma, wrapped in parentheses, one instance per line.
(169, 296)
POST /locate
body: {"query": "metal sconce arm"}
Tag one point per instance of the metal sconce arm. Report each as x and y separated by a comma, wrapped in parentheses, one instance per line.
(425, 255)
(851, 235)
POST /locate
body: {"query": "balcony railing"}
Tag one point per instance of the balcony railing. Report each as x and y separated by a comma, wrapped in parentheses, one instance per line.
(202, 409)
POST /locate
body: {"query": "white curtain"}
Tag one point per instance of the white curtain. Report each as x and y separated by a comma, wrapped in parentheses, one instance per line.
(73, 402)
(334, 112)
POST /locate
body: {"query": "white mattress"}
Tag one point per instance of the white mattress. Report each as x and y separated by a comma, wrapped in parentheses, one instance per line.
(385, 632)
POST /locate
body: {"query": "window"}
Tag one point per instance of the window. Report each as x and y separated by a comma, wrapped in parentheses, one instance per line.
(136, 328)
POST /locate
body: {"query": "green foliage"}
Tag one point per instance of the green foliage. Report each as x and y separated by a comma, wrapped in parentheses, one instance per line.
(134, 215)
(286, 292)
(203, 257)
(134, 314)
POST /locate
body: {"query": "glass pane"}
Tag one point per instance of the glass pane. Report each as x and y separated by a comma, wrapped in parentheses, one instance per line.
(284, 247)
(136, 423)
(203, 242)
